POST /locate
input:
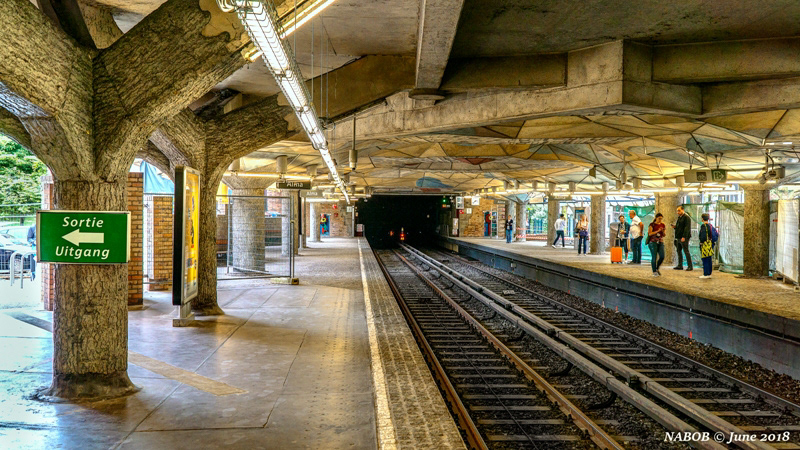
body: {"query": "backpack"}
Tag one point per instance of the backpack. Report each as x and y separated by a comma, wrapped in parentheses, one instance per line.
(714, 234)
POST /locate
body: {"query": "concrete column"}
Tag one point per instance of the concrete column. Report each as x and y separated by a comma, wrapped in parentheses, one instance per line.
(755, 242)
(248, 229)
(553, 210)
(666, 204)
(522, 220)
(347, 218)
(296, 219)
(305, 222)
(314, 221)
(511, 210)
(597, 225)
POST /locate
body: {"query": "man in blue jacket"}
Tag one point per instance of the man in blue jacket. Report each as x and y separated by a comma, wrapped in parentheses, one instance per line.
(683, 232)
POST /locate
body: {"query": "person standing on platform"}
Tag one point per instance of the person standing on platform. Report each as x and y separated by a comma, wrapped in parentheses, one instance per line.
(583, 233)
(635, 230)
(621, 239)
(655, 241)
(708, 238)
(32, 242)
(683, 232)
(487, 223)
(560, 226)
(509, 229)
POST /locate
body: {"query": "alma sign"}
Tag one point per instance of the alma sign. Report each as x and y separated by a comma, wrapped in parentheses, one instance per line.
(83, 237)
(292, 184)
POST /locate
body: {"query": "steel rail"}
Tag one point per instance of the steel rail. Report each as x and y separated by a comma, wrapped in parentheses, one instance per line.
(512, 313)
(596, 434)
(702, 368)
(474, 438)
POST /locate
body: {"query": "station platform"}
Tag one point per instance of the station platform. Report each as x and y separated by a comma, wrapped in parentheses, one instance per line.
(326, 364)
(758, 319)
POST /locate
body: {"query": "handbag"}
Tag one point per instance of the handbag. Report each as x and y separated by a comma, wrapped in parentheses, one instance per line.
(707, 247)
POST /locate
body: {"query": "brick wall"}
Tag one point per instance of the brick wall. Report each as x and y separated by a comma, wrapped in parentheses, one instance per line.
(46, 271)
(471, 225)
(161, 248)
(337, 226)
(135, 268)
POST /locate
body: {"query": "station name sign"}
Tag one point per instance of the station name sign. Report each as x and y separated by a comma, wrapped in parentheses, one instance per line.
(83, 237)
(311, 194)
(293, 184)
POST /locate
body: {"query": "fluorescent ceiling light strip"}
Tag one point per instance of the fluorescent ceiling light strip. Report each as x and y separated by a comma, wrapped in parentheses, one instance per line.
(260, 20)
(297, 20)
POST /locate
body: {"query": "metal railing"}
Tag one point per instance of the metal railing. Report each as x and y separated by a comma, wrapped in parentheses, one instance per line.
(255, 237)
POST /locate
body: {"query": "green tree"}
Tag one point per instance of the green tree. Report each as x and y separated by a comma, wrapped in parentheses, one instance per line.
(20, 183)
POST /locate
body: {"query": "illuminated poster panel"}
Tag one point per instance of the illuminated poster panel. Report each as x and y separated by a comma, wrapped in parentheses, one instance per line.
(186, 250)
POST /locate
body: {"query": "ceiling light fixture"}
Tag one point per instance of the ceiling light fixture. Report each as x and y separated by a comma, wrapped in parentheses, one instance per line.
(296, 20)
(261, 22)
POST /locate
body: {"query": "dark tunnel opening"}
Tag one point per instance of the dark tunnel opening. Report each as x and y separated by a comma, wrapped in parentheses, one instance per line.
(385, 217)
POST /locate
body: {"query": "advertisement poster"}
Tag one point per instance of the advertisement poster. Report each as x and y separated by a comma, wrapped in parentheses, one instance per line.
(192, 237)
(186, 249)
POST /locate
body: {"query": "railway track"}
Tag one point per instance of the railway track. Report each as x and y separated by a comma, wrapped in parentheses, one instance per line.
(491, 378)
(698, 394)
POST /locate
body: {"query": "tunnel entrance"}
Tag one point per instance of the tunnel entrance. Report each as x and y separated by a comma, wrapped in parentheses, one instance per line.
(385, 216)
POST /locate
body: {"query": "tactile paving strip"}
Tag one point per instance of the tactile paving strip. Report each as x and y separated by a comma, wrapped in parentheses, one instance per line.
(420, 417)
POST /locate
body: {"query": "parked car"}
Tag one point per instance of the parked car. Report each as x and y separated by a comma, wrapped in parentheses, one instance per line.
(7, 248)
(17, 232)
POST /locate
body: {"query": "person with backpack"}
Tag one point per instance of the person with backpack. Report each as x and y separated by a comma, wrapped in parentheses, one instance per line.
(655, 241)
(560, 226)
(708, 239)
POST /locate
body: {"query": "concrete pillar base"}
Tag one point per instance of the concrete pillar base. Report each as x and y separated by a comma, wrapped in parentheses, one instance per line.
(666, 204)
(597, 225)
(553, 211)
(755, 241)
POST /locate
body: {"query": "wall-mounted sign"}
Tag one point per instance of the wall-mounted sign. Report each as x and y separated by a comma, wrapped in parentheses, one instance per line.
(459, 202)
(469, 210)
(311, 194)
(293, 184)
(476, 200)
(349, 209)
(83, 237)
(186, 235)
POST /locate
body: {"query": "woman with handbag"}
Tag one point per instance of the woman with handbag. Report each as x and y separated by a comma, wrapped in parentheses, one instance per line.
(655, 241)
(707, 240)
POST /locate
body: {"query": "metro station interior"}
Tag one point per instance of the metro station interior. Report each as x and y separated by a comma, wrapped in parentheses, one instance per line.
(425, 224)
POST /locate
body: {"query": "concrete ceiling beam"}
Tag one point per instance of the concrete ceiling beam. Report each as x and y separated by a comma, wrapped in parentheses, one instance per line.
(751, 96)
(727, 61)
(438, 22)
(362, 82)
(611, 77)
(513, 72)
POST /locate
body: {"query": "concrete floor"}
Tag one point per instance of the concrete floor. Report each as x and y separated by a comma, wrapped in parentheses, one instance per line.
(765, 294)
(286, 367)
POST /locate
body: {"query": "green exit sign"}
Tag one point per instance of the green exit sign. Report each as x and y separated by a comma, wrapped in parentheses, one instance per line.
(83, 237)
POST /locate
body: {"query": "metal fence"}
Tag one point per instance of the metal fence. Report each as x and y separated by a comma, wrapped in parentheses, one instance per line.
(157, 232)
(255, 237)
